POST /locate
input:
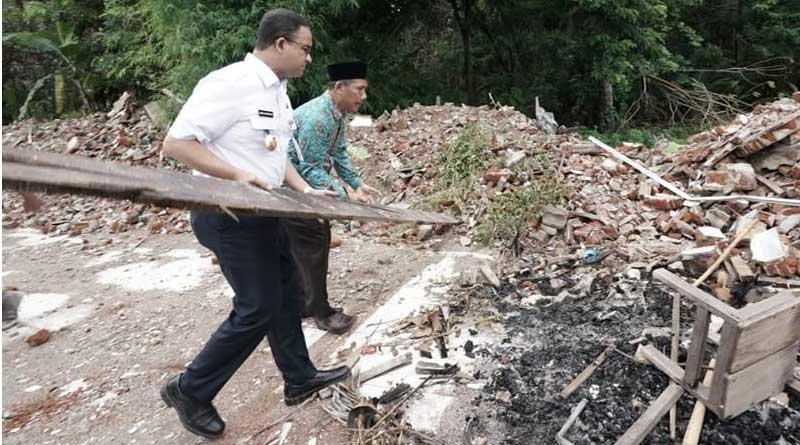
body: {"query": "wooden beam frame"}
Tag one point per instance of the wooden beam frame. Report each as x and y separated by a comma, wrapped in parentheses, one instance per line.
(757, 352)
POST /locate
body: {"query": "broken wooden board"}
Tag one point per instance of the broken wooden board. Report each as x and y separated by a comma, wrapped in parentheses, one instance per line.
(585, 374)
(26, 170)
(647, 421)
(765, 378)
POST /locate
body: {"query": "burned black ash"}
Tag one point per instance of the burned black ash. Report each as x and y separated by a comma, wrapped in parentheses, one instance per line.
(549, 344)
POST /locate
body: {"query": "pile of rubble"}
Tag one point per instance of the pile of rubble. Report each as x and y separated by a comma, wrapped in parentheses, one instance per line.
(121, 135)
(609, 206)
(613, 207)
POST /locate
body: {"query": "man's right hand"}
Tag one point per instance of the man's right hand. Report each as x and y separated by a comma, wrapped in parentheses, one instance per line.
(250, 179)
(359, 196)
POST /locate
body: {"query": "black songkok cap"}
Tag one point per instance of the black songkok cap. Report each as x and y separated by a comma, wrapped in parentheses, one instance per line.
(347, 71)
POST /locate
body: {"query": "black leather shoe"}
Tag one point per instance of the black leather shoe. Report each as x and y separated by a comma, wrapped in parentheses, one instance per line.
(305, 313)
(295, 394)
(198, 417)
(336, 323)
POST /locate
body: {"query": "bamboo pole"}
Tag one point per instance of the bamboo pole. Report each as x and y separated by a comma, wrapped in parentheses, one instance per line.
(692, 435)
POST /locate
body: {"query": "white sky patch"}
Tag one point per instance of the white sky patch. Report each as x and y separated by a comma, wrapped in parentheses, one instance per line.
(185, 273)
(34, 238)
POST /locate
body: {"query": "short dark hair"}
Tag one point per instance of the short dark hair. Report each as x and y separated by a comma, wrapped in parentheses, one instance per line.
(279, 23)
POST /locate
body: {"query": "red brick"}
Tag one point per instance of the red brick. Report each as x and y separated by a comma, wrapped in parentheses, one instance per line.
(39, 338)
(662, 201)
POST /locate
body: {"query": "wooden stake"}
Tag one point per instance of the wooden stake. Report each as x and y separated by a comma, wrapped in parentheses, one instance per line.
(692, 435)
(585, 374)
(673, 355)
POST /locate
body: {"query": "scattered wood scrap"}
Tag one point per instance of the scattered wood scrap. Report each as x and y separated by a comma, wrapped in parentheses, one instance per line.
(585, 374)
(560, 437)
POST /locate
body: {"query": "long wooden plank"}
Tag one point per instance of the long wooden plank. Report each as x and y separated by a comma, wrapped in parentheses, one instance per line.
(28, 170)
(700, 298)
(695, 425)
(680, 193)
(650, 418)
(662, 362)
(759, 381)
(641, 168)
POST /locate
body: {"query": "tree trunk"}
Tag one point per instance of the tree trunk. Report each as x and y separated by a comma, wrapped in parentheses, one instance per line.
(464, 20)
(59, 93)
(469, 73)
(609, 117)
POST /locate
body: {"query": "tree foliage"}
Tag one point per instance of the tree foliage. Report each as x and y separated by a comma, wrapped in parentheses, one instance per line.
(603, 63)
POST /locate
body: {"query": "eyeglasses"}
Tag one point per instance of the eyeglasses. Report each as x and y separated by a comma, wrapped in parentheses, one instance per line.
(305, 48)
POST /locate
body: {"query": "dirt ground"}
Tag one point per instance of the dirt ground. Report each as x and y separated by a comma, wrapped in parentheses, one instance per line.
(130, 310)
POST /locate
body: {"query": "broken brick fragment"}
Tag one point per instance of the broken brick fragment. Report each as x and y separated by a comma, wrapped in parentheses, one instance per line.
(495, 175)
(39, 338)
(663, 201)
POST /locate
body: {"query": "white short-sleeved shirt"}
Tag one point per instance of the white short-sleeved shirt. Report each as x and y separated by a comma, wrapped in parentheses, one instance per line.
(232, 110)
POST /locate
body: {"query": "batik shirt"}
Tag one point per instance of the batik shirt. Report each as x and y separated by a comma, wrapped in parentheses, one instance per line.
(318, 123)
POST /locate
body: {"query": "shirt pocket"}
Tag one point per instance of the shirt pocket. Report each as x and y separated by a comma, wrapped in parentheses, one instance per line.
(264, 124)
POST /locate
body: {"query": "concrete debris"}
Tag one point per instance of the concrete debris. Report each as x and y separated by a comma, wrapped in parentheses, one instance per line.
(490, 275)
(555, 217)
(767, 247)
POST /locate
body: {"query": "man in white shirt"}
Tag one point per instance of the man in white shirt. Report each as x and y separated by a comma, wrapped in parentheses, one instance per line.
(237, 125)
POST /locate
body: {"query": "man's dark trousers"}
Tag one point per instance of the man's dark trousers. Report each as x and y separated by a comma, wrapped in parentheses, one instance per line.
(255, 259)
(310, 241)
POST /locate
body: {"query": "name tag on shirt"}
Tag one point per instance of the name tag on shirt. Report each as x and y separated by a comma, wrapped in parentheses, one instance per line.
(265, 113)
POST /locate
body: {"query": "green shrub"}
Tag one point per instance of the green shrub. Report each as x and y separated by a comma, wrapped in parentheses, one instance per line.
(511, 213)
